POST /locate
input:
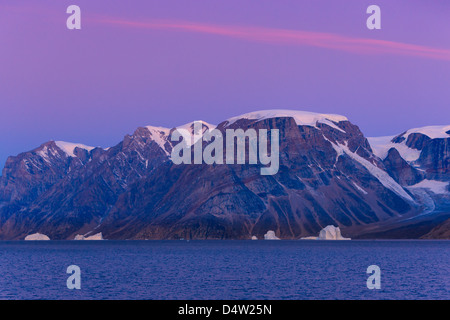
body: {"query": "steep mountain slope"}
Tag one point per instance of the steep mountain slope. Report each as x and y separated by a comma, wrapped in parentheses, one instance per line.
(424, 149)
(328, 175)
(30, 174)
(442, 231)
(419, 159)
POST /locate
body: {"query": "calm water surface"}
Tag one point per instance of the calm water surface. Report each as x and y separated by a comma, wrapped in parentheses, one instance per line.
(225, 269)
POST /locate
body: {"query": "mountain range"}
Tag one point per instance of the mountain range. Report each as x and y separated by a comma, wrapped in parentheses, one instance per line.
(329, 174)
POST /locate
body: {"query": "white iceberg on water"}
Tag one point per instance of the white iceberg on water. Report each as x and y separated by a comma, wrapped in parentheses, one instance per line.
(97, 236)
(328, 233)
(270, 235)
(36, 236)
(331, 233)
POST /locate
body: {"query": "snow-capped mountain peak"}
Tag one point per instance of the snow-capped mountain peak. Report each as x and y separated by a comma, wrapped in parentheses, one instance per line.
(326, 177)
(69, 147)
(196, 135)
(433, 132)
(190, 125)
(381, 146)
(302, 118)
(159, 135)
(403, 142)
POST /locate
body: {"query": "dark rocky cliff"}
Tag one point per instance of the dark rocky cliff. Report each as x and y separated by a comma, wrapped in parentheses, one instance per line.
(328, 175)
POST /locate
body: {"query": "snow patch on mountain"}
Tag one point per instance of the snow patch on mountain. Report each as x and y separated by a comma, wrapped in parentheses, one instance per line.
(437, 187)
(160, 135)
(359, 188)
(45, 153)
(69, 147)
(189, 126)
(434, 132)
(381, 146)
(196, 135)
(302, 118)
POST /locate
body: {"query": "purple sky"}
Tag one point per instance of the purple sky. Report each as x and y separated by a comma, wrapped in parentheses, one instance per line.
(165, 63)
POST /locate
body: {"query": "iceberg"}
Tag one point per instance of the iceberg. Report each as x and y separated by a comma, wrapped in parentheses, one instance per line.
(36, 236)
(97, 236)
(254, 238)
(328, 233)
(308, 238)
(331, 233)
(270, 235)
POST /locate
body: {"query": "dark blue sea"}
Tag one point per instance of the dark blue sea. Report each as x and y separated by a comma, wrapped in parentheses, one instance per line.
(225, 269)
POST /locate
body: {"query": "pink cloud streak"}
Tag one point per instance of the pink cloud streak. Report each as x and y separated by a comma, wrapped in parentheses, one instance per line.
(292, 37)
